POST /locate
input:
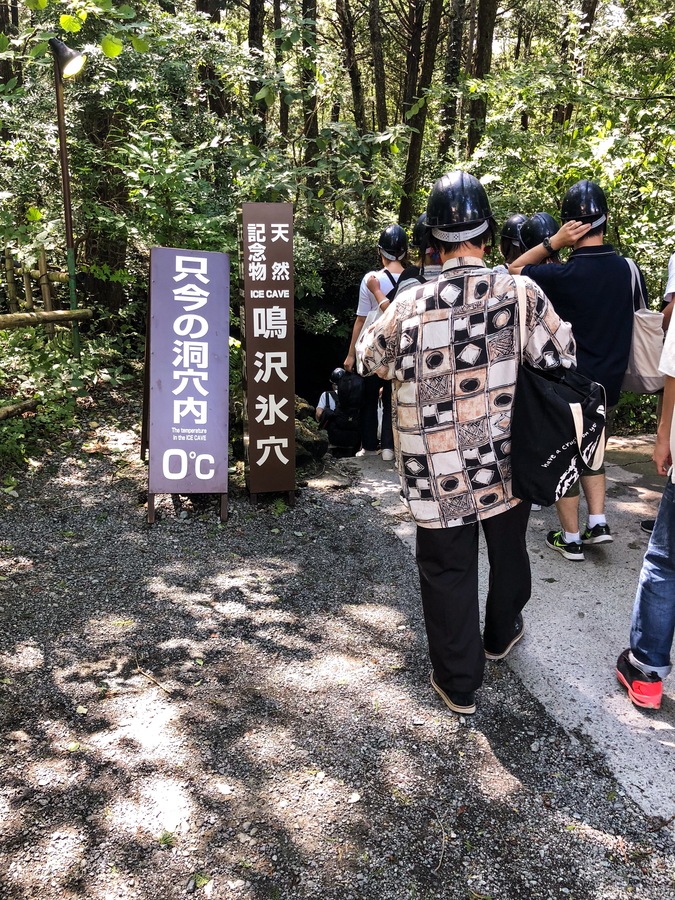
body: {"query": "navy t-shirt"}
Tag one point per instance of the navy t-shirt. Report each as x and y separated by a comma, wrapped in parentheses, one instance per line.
(593, 292)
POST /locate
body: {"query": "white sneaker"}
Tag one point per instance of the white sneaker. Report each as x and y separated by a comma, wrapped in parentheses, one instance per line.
(363, 452)
(387, 455)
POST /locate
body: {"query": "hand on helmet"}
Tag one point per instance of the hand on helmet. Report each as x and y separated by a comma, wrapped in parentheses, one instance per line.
(569, 234)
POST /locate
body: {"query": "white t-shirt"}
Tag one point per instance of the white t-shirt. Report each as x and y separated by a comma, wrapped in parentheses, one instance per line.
(670, 286)
(367, 301)
(326, 401)
(667, 366)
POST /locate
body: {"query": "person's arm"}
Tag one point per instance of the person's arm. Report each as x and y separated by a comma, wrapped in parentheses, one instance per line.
(662, 454)
(317, 412)
(373, 285)
(668, 310)
(567, 236)
(377, 354)
(545, 328)
(356, 331)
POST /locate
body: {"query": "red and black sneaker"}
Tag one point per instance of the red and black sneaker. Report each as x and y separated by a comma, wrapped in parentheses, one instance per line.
(644, 690)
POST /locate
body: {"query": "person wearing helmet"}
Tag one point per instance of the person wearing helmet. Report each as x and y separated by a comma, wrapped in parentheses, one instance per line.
(428, 264)
(451, 348)
(535, 230)
(328, 400)
(510, 246)
(593, 291)
(339, 411)
(392, 248)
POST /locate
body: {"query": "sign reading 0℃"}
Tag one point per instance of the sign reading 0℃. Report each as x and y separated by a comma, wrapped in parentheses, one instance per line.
(188, 372)
(266, 276)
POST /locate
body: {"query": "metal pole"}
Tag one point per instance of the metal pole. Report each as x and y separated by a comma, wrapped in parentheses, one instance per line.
(67, 209)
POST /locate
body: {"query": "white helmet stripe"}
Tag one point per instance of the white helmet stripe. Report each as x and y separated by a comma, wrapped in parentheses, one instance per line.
(598, 221)
(458, 237)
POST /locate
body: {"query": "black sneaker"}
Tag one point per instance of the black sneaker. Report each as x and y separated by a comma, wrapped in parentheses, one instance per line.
(460, 702)
(556, 541)
(647, 525)
(644, 690)
(599, 534)
(518, 631)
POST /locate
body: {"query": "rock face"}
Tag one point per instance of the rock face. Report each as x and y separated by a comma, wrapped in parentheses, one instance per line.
(310, 443)
(303, 409)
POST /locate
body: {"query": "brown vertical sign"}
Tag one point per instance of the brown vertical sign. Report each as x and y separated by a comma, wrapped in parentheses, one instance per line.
(266, 272)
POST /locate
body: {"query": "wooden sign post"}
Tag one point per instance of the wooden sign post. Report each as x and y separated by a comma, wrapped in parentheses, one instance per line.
(266, 270)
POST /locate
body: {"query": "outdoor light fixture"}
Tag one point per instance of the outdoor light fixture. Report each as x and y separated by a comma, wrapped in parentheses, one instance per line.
(67, 63)
(70, 62)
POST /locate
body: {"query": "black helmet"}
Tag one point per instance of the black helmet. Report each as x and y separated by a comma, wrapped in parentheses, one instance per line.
(420, 235)
(336, 375)
(393, 243)
(511, 228)
(458, 199)
(538, 227)
(584, 202)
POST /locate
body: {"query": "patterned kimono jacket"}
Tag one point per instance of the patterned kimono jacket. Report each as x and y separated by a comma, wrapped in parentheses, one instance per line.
(452, 349)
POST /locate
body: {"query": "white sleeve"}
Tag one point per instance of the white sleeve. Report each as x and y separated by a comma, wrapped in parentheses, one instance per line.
(667, 362)
(366, 300)
(670, 285)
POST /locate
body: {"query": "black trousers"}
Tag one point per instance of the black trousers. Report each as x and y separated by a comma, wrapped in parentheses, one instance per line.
(371, 392)
(447, 560)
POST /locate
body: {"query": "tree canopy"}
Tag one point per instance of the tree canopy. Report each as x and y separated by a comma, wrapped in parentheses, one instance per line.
(349, 110)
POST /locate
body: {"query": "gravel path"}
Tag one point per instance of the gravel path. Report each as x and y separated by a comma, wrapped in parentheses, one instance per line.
(243, 711)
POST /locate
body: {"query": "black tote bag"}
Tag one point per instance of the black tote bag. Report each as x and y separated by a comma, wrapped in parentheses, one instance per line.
(557, 427)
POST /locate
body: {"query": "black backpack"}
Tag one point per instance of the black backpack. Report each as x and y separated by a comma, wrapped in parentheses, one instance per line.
(343, 425)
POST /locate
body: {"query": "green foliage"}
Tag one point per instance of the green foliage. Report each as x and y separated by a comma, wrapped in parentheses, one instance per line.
(636, 414)
(34, 366)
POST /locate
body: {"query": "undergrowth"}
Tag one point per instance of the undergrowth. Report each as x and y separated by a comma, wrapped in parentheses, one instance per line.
(34, 367)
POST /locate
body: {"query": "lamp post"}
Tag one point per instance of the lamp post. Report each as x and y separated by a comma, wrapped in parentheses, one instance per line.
(67, 63)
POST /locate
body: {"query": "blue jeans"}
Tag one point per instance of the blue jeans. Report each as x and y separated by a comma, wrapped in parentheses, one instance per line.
(651, 635)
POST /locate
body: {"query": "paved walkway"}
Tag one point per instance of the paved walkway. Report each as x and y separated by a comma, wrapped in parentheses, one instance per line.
(578, 620)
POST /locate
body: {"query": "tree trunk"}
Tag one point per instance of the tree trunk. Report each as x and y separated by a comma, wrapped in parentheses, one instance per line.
(256, 28)
(471, 39)
(22, 319)
(105, 245)
(346, 20)
(415, 29)
(6, 412)
(278, 59)
(309, 104)
(215, 96)
(378, 65)
(418, 121)
(562, 112)
(588, 11)
(487, 13)
(453, 68)
(9, 25)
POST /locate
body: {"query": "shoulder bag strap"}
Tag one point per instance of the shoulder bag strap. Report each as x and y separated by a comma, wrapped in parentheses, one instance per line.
(394, 281)
(635, 283)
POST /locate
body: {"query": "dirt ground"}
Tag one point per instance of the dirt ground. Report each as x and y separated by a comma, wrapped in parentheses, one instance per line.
(243, 710)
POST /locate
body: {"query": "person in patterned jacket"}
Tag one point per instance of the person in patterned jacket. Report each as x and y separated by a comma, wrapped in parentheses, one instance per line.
(451, 348)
